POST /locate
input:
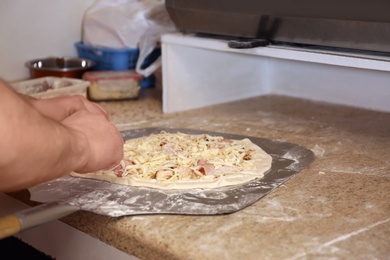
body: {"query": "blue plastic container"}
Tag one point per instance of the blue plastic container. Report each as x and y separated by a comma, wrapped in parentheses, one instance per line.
(117, 59)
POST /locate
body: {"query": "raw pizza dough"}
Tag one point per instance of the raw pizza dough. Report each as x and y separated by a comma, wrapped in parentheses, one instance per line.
(183, 161)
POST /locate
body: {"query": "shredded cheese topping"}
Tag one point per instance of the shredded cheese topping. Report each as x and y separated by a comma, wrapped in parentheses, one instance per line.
(178, 156)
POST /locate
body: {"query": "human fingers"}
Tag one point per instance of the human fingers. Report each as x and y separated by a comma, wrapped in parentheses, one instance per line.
(59, 108)
(77, 103)
(104, 146)
(95, 108)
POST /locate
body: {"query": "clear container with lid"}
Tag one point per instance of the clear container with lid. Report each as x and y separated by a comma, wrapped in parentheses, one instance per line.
(113, 85)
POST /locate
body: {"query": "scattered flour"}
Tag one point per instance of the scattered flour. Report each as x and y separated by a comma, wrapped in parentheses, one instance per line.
(329, 246)
(318, 151)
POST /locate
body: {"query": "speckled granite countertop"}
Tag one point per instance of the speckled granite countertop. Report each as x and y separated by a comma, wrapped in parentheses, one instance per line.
(338, 207)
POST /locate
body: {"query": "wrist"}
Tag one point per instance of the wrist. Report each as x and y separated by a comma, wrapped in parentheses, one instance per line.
(80, 149)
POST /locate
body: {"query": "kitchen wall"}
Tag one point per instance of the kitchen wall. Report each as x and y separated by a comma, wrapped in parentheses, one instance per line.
(37, 29)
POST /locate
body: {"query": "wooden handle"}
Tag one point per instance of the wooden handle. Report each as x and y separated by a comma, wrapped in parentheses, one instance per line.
(9, 225)
(31, 217)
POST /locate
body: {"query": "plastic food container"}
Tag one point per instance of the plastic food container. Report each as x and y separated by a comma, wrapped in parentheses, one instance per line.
(113, 85)
(117, 59)
(48, 87)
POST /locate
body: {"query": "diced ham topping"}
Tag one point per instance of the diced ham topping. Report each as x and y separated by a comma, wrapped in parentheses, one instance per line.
(188, 173)
(205, 167)
(169, 148)
(120, 171)
(164, 174)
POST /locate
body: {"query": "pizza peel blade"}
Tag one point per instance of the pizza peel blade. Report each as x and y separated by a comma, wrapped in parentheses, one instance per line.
(66, 195)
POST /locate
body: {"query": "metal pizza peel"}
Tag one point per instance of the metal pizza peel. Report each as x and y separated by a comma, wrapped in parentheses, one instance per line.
(63, 196)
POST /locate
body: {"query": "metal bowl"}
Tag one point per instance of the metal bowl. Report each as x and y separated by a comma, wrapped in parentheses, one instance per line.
(70, 67)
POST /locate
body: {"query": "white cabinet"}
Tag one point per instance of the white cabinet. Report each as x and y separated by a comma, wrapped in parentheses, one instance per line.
(199, 72)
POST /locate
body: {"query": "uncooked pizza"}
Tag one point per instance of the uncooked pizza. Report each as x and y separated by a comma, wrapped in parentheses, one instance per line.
(184, 161)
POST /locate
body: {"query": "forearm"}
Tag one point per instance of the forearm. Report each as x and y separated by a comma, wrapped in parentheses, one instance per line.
(34, 148)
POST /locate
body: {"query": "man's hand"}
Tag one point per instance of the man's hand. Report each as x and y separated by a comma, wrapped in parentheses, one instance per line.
(59, 108)
(45, 139)
(102, 144)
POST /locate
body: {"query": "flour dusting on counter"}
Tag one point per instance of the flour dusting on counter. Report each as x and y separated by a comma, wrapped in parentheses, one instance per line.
(318, 150)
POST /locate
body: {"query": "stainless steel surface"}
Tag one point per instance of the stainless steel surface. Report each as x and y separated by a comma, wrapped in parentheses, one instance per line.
(359, 25)
(118, 200)
(43, 213)
(72, 67)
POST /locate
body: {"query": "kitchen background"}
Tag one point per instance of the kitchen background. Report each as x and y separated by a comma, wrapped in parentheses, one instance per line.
(46, 28)
(337, 207)
(37, 29)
